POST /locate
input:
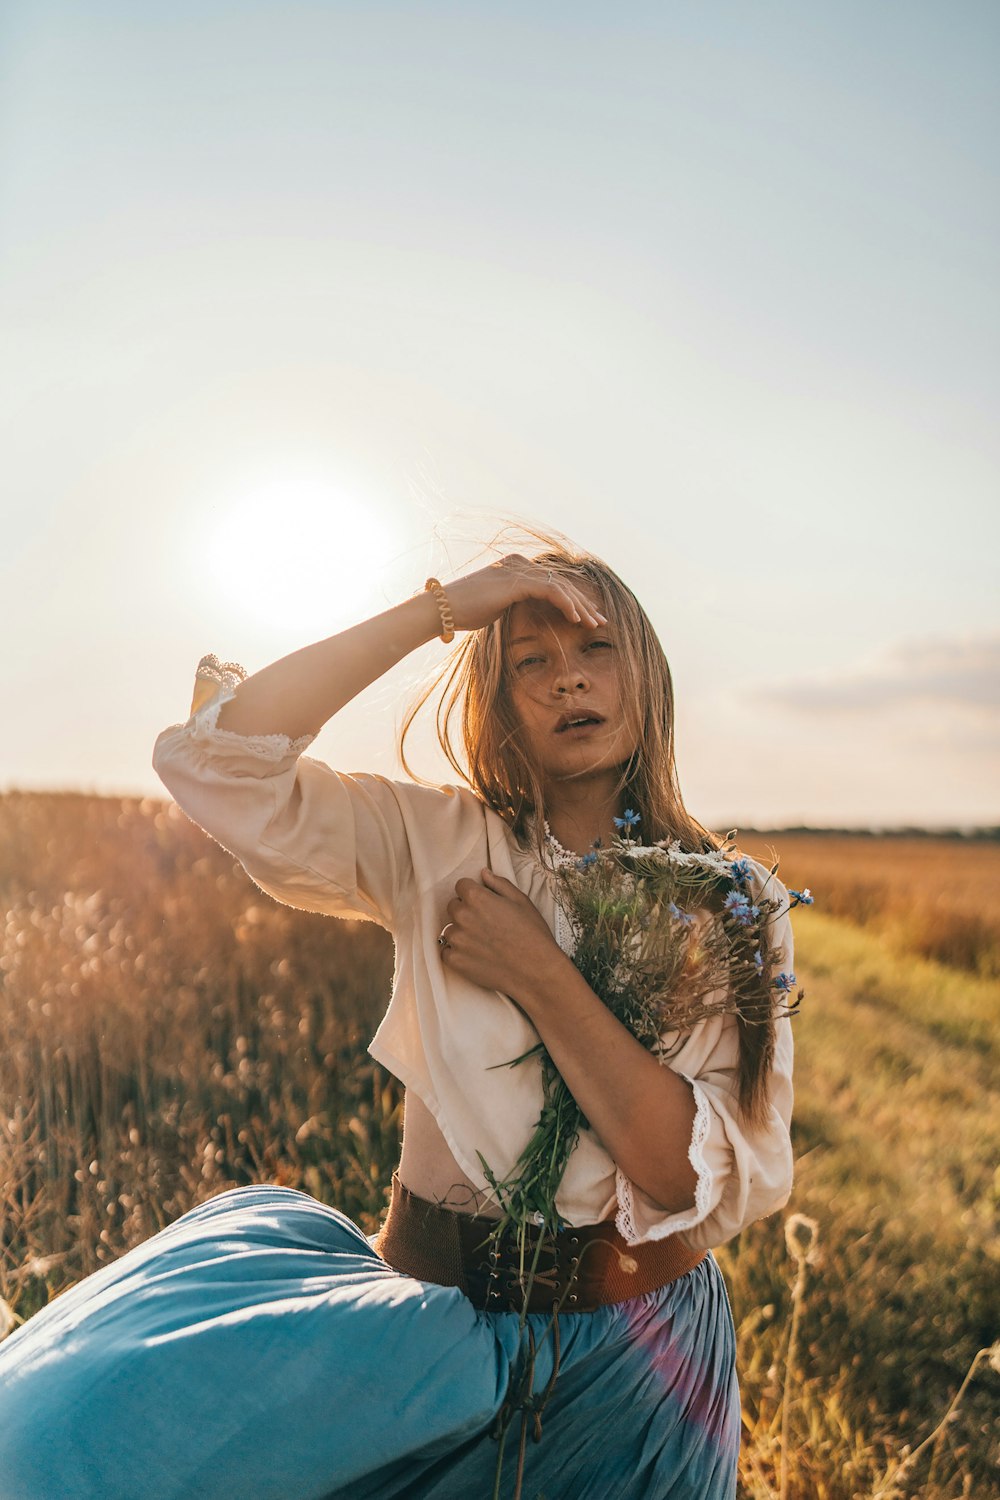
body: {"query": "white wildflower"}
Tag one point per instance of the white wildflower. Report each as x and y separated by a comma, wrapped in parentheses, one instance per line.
(801, 1237)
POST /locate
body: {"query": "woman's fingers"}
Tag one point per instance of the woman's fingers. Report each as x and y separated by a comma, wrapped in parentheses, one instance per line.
(493, 931)
(468, 893)
(453, 908)
(480, 598)
(542, 583)
(458, 905)
(574, 605)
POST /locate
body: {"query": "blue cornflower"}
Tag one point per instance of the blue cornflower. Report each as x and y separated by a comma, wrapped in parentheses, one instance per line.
(675, 911)
(586, 861)
(629, 821)
(784, 982)
(800, 897)
(740, 869)
(758, 960)
(740, 909)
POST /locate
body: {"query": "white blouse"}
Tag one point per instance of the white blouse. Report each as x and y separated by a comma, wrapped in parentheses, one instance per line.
(391, 852)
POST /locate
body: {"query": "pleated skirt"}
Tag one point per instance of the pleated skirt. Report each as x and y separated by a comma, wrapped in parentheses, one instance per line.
(259, 1349)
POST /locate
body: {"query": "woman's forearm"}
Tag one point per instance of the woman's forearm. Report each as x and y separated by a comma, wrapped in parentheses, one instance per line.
(296, 694)
(642, 1111)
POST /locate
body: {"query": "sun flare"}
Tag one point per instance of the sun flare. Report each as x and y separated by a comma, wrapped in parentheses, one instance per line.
(300, 549)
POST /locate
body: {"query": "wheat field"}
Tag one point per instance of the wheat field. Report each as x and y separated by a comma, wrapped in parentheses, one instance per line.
(167, 1031)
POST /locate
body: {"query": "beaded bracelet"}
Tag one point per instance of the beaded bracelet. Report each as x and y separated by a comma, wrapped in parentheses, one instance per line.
(441, 599)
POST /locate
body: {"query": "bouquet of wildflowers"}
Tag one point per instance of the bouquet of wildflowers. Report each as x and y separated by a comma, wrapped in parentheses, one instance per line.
(666, 938)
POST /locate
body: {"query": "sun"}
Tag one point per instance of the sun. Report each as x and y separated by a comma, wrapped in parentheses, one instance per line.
(302, 551)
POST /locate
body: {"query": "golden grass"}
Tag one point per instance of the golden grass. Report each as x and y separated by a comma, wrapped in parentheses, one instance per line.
(166, 1031)
(938, 898)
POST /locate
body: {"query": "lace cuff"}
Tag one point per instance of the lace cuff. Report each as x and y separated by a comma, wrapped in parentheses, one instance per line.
(215, 683)
(626, 1217)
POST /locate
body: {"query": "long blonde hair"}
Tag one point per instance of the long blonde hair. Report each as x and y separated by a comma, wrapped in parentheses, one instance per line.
(474, 688)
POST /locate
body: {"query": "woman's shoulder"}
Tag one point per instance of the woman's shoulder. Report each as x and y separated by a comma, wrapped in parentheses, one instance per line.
(443, 825)
(440, 806)
(435, 797)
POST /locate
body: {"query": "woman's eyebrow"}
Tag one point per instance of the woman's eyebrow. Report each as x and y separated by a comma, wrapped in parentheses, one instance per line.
(524, 640)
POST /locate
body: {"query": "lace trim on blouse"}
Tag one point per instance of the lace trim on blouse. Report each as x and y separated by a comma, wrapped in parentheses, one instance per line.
(565, 936)
(625, 1217)
(676, 1223)
(215, 684)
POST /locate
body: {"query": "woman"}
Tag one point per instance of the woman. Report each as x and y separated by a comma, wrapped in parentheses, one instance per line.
(262, 1346)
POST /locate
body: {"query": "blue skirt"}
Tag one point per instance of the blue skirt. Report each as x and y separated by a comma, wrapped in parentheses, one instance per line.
(259, 1349)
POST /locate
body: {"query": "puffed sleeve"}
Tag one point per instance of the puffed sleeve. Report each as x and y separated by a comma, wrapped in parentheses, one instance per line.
(743, 1174)
(311, 837)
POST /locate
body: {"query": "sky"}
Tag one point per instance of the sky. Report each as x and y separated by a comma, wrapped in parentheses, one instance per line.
(299, 303)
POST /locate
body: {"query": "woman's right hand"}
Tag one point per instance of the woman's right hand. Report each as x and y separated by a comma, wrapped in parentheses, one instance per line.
(481, 597)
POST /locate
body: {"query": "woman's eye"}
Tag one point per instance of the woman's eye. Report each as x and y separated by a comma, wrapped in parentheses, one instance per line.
(601, 643)
(527, 662)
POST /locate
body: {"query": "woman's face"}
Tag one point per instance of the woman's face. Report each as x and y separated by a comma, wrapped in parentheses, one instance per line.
(566, 695)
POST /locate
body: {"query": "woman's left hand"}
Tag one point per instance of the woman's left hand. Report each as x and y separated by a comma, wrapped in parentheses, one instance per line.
(496, 937)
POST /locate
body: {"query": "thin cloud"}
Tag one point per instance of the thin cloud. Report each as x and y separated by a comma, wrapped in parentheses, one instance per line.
(961, 673)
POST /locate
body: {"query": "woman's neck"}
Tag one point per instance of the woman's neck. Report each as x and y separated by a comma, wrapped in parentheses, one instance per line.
(577, 822)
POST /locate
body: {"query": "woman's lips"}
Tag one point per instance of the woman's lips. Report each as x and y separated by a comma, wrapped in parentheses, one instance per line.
(589, 722)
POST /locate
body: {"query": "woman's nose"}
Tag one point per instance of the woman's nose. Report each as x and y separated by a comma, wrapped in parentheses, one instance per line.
(569, 679)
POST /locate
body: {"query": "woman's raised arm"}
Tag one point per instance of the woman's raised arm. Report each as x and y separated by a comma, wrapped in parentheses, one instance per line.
(296, 694)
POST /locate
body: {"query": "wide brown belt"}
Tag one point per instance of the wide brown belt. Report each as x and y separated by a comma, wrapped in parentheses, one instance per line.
(578, 1268)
